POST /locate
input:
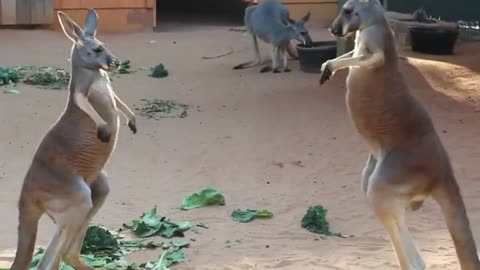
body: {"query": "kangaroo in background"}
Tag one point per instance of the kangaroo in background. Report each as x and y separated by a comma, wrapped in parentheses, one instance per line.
(270, 21)
(66, 180)
(407, 161)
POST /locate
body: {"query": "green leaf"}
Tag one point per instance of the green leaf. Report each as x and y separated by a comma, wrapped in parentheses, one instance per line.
(178, 244)
(249, 214)
(11, 91)
(169, 258)
(202, 225)
(206, 197)
(184, 226)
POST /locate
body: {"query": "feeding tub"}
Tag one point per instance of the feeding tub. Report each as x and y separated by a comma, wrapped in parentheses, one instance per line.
(312, 57)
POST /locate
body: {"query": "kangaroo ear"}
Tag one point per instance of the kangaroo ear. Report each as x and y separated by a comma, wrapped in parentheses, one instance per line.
(70, 28)
(292, 21)
(306, 17)
(91, 22)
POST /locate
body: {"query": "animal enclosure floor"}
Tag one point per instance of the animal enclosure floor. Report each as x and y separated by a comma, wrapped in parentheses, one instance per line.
(275, 141)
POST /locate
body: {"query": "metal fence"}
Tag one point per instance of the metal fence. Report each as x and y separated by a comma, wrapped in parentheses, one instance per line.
(448, 10)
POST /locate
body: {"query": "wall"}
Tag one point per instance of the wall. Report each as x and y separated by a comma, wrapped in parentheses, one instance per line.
(320, 9)
(26, 12)
(114, 15)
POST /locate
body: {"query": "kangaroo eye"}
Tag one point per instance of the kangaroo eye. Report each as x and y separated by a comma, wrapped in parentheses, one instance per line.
(347, 11)
(98, 49)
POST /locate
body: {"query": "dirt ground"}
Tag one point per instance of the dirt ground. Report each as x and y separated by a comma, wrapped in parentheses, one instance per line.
(247, 125)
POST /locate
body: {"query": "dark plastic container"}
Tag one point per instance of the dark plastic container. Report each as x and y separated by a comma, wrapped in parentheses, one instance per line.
(433, 41)
(312, 58)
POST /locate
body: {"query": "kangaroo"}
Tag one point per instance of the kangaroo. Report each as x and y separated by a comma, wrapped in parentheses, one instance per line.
(407, 161)
(66, 179)
(270, 22)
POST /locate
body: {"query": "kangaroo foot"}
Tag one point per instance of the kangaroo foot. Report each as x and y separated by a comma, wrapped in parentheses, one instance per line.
(266, 69)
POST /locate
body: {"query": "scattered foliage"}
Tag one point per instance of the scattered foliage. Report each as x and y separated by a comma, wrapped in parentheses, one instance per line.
(158, 108)
(151, 224)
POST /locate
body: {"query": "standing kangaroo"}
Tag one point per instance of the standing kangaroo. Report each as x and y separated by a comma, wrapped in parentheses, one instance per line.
(66, 178)
(270, 21)
(407, 161)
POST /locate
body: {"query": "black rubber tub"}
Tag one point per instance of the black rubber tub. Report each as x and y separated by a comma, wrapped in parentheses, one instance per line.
(311, 58)
(433, 41)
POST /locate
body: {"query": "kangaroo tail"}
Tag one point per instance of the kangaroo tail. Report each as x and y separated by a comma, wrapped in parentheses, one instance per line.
(29, 216)
(449, 198)
(256, 55)
(245, 65)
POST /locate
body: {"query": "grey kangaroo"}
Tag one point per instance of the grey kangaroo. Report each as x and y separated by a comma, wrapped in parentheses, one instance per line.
(270, 21)
(407, 161)
(66, 179)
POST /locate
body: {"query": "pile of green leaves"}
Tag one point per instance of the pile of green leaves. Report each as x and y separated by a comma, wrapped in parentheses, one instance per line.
(159, 71)
(206, 197)
(8, 75)
(100, 240)
(248, 215)
(102, 249)
(158, 108)
(45, 77)
(151, 224)
(315, 220)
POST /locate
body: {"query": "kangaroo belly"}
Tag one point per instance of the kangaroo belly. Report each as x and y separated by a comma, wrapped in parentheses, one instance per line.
(383, 112)
(89, 155)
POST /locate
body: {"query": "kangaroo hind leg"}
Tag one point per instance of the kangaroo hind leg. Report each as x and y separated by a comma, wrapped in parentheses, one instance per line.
(389, 203)
(29, 215)
(99, 191)
(285, 60)
(69, 211)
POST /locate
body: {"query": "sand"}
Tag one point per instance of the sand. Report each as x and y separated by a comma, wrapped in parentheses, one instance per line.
(276, 141)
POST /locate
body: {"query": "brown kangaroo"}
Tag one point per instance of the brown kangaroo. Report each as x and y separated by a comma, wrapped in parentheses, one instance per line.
(66, 178)
(407, 161)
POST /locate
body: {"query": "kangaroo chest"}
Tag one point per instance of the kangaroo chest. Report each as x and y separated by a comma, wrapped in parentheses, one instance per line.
(102, 98)
(86, 153)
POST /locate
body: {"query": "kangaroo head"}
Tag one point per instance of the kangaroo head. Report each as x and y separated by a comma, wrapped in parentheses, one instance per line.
(300, 25)
(356, 15)
(291, 32)
(87, 51)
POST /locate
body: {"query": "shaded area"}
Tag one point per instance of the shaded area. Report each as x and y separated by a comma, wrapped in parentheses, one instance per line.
(178, 15)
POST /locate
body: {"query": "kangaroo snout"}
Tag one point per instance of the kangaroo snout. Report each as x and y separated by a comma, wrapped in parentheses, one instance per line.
(336, 29)
(113, 63)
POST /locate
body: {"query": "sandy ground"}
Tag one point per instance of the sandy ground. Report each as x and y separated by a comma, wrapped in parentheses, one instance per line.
(247, 123)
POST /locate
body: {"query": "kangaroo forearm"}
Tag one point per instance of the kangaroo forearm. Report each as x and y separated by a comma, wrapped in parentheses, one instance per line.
(124, 108)
(364, 61)
(83, 103)
(349, 54)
